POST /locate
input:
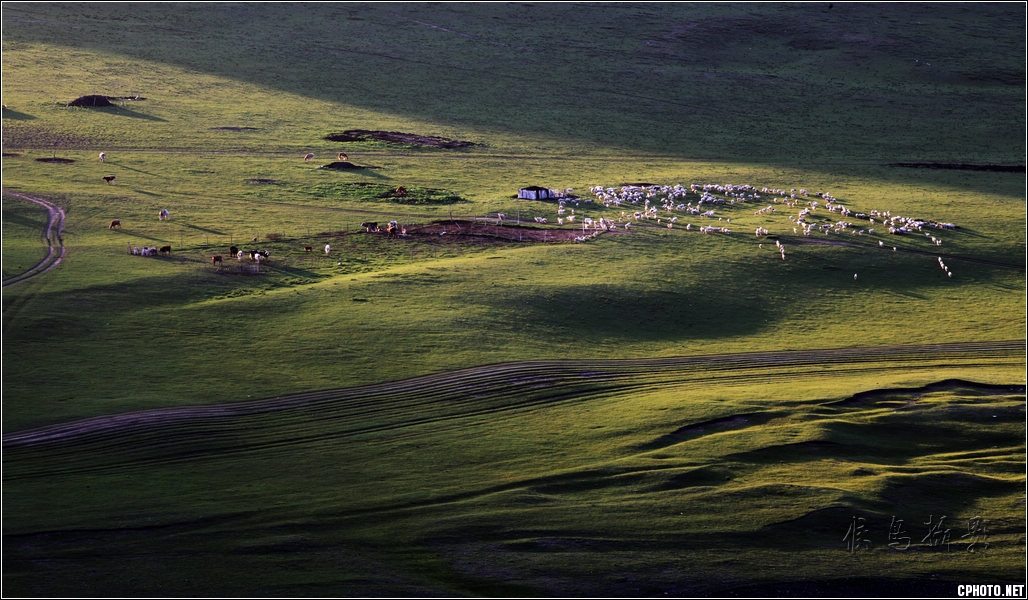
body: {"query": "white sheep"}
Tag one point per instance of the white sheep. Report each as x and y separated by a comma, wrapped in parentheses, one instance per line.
(328, 248)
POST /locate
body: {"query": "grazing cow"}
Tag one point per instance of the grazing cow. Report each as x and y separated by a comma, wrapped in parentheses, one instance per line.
(163, 214)
(216, 259)
(401, 191)
(369, 226)
(233, 250)
(115, 223)
(166, 250)
(109, 179)
(239, 255)
(308, 157)
(103, 157)
(308, 249)
(343, 156)
(257, 255)
(392, 228)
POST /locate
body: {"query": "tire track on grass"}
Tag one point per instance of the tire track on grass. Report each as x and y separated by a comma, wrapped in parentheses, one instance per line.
(55, 224)
(482, 391)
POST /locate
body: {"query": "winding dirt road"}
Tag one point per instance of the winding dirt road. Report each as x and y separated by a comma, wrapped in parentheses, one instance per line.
(54, 230)
(489, 390)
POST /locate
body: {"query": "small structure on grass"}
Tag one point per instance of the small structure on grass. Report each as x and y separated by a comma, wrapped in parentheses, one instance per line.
(534, 192)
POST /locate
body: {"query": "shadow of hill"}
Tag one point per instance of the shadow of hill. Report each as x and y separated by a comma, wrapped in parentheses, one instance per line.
(17, 115)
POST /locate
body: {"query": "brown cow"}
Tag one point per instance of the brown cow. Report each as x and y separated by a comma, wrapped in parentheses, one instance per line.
(109, 179)
(308, 157)
(166, 250)
(114, 223)
(216, 259)
(343, 156)
(308, 248)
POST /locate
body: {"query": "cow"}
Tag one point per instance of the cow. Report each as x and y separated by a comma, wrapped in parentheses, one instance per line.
(216, 259)
(163, 214)
(103, 157)
(343, 156)
(166, 250)
(233, 250)
(308, 249)
(392, 228)
(308, 157)
(115, 223)
(369, 226)
(109, 179)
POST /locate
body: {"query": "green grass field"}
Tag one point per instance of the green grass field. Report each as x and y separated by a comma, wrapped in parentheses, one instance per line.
(492, 411)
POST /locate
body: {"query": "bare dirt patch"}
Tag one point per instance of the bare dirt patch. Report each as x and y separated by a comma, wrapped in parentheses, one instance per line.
(99, 100)
(483, 231)
(396, 137)
(54, 159)
(961, 166)
(345, 165)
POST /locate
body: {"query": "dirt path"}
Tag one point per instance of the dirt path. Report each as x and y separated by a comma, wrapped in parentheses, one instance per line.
(489, 390)
(54, 230)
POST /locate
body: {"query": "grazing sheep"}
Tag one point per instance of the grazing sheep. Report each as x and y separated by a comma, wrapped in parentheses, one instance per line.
(328, 248)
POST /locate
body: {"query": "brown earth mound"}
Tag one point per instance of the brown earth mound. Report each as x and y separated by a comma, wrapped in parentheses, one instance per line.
(488, 231)
(98, 100)
(91, 101)
(961, 167)
(56, 160)
(396, 137)
(345, 165)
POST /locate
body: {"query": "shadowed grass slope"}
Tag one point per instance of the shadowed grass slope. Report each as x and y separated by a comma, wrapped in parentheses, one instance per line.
(561, 478)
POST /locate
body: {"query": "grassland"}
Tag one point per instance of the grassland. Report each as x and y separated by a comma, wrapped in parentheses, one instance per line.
(654, 411)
